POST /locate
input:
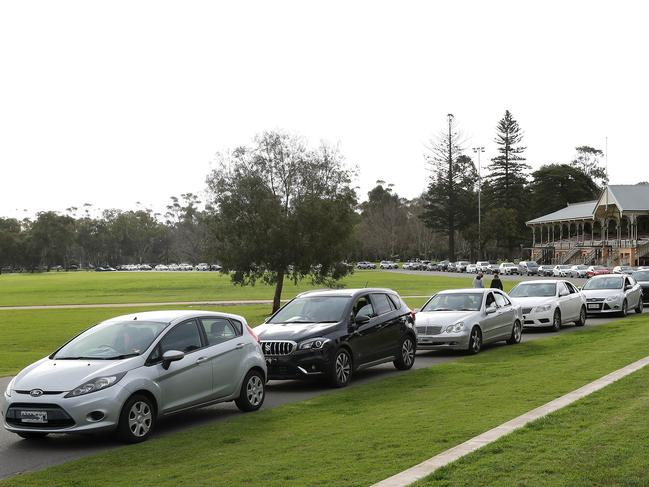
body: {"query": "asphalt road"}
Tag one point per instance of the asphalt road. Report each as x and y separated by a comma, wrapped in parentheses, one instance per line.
(18, 455)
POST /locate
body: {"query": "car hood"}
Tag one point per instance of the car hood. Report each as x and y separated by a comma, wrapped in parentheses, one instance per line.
(424, 318)
(601, 293)
(65, 375)
(294, 331)
(532, 301)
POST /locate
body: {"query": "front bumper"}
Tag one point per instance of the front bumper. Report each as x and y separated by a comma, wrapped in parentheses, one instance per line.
(443, 341)
(97, 411)
(301, 364)
(538, 320)
(603, 307)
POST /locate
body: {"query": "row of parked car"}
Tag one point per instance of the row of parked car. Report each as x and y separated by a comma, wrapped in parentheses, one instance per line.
(127, 372)
(203, 266)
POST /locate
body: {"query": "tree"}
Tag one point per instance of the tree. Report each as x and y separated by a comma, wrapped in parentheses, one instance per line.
(281, 209)
(588, 161)
(450, 195)
(555, 185)
(383, 219)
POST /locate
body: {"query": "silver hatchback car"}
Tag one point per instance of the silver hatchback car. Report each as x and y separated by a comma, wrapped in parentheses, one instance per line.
(126, 372)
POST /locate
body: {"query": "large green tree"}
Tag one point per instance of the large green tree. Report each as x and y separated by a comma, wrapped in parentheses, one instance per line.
(589, 161)
(279, 208)
(555, 185)
(450, 197)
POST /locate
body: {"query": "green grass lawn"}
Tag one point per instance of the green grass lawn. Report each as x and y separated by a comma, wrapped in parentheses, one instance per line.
(145, 287)
(363, 434)
(599, 440)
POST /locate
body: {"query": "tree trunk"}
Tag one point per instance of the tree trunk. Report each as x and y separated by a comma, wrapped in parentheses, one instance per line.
(277, 299)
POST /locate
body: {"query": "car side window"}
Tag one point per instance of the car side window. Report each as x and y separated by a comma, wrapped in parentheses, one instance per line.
(500, 300)
(218, 330)
(184, 337)
(363, 307)
(396, 302)
(562, 289)
(571, 288)
(382, 304)
(490, 300)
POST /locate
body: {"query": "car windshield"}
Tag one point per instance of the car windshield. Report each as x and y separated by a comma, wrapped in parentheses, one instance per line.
(641, 276)
(534, 290)
(605, 283)
(112, 340)
(454, 302)
(312, 309)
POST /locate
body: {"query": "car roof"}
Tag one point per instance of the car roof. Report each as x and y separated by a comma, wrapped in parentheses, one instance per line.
(466, 290)
(169, 316)
(542, 281)
(345, 292)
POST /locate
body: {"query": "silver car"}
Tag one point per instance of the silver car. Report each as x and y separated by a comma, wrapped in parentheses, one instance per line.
(126, 372)
(546, 303)
(612, 293)
(465, 319)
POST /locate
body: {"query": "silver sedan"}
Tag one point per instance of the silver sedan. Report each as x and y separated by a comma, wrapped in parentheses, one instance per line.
(126, 372)
(465, 319)
(613, 293)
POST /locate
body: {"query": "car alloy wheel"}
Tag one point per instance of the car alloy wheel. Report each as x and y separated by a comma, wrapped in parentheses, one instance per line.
(475, 341)
(253, 392)
(625, 308)
(517, 333)
(137, 419)
(140, 419)
(556, 320)
(407, 354)
(342, 369)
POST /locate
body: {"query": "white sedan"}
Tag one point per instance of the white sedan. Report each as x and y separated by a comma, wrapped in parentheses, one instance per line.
(549, 303)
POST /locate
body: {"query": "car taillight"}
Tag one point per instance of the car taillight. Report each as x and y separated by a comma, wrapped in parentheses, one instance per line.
(251, 331)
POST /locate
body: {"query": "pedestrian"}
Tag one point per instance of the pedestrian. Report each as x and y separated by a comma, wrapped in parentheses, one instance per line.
(477, 280)
(496, 283)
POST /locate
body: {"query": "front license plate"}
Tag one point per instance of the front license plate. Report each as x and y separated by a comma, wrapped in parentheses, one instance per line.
(593, 306)
(33, 416)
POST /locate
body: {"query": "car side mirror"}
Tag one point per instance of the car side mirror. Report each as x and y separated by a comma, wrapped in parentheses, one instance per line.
(361, 320)
(563, 293)
(627, 287)
(491, 309)
(171, 356)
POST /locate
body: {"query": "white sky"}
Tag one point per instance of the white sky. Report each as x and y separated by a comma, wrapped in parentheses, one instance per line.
(116, 102)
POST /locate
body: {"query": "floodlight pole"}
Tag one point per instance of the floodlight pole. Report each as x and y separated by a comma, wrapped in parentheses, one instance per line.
(478, 150)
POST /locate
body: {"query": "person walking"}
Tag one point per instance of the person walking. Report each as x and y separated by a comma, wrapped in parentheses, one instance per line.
(477, 280)
(496, 283)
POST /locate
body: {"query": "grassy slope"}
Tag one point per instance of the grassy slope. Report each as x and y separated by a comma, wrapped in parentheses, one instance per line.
(145, 287)
(349, 437)
(600, 440)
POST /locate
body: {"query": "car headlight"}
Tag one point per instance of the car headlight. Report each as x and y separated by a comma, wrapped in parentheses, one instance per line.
(313, 344)
(455, 327)
(10, 387)
(542, 309)
(95, 385)
(612, 298)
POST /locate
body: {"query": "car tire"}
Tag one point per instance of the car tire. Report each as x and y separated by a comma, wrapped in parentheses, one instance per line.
(253, 392)
(640, 306)
(341, 370)
(406, 358)
(137, 419)
(625, 309)
(556, 320)
(517, 333)
(582, 317)
(475, 341)
(29, 435)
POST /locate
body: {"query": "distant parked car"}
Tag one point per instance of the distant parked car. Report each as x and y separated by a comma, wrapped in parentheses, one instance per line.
(528, 268)
(410, 266)
(433, 266)
(578, 271)
(491, 268)
(482, 266)
(387, 264)
(471, 268)
(622, 269)
(545, 270)
(642, 278)
(508, 268)
(161, 267)
(185, 267)
(613, 293)
(560, 270)
(332, 334)
(443, 265)
(597, 270)
(127, 372)
(464, 319)
(203, 267)
(215, 267)
(451, 267)
(365, 265)
(460, 265)
(546, 303)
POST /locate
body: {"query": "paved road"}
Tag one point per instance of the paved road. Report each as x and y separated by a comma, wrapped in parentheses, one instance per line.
(17, 455)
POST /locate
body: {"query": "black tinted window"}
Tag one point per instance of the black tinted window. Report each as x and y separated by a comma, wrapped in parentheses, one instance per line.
(382, 304)
(184, 337)
(218, 330)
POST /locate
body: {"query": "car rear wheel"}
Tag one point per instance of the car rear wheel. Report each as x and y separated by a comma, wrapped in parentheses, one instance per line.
(517, 333)
(137, 419)
(640, 306)
(29, 435)
(582, 317)
(475, 341)
(253, 392)
(556, 320)
(341, 372)
(406, 354)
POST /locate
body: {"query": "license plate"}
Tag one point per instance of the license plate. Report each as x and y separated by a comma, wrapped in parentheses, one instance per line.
(33, 416)
(593, 306)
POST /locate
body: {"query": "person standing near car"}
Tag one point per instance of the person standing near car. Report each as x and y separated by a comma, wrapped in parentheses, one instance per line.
(477, 280)
(496, 283)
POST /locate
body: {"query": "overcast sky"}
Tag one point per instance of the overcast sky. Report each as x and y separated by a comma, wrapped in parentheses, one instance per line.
(115, 102)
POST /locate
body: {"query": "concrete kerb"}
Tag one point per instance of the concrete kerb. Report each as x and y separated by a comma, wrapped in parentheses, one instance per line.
(427, 467)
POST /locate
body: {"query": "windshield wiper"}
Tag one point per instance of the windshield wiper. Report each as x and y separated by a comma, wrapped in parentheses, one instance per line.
(441, 309)
(76, 358)
(119, 357)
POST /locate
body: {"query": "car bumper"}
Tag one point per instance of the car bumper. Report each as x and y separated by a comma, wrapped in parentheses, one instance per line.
(446, 341)
(603, 308)
(538, 320)
(298, 365)
(64, 415)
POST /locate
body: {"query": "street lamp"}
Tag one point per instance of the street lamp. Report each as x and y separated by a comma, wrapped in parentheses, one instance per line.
(478, 150)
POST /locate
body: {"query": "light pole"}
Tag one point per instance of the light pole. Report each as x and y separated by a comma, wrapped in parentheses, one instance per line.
(478, 150)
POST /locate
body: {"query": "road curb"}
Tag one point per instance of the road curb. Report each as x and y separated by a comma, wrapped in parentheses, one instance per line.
(427, 467)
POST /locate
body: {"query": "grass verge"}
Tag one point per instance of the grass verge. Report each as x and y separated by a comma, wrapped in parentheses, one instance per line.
(366, 433)
(599, 440)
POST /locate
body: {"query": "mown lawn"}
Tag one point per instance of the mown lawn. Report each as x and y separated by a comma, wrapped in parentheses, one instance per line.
(363, 434)
(599, 440)
(152, 287)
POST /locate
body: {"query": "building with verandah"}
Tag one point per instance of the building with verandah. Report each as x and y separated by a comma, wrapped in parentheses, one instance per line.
(612, 230)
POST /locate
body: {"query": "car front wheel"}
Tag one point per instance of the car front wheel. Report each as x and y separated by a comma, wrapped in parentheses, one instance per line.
(556, 320)
(406, 357)
(341, 372)
(475, 341)
(625, 309)
(137, 419)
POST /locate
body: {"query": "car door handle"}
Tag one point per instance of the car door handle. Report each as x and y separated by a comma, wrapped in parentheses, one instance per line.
(200, 360)
(240, 346)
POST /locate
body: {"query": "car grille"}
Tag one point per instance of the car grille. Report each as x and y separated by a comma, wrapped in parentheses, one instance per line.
(645, 293)
(56, 416)
(526, 311)
(429, 330)
(278, 347)
(595, 300)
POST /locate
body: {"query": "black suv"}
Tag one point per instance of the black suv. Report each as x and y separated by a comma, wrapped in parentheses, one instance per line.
(330, 334)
